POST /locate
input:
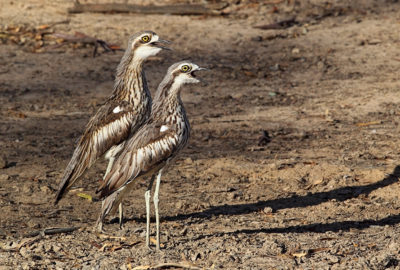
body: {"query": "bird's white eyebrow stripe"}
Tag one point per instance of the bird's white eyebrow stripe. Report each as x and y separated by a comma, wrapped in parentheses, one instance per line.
(117, 109)
(163, 128)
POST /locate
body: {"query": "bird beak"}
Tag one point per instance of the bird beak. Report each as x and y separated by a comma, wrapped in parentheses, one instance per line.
(194, 76)
(160, 44)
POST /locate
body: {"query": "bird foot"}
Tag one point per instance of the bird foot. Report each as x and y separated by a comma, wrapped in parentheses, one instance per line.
(98, 228)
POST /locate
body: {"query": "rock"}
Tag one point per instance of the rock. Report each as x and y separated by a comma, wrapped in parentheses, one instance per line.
(45, 189)
(24, 252)
(33, 224)
(183, 231)
(320, 65)
(231, 196)
(332, 258)
(188, 161)
(274, 67)
(268, 210)
(47, 247)
(179, 205)
(4, 177)
(56, 248)
(26, 189)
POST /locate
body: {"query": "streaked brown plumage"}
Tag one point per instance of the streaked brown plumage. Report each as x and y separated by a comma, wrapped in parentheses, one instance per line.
(153, 146)
(121, 115)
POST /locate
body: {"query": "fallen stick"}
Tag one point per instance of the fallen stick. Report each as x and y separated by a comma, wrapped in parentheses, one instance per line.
(51, 231)
(368, 123)
(85, 39)
(188, 9)
(278, 25)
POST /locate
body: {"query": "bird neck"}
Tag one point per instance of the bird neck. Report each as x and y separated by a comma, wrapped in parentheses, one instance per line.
(130, 82)
(168, 102)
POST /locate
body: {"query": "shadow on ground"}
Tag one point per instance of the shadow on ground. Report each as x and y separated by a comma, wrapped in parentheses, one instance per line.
(340, 194)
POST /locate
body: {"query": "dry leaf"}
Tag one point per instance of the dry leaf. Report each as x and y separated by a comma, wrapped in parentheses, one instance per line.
(154, 241)
(43, 26)
(85, 196)
(300, 253)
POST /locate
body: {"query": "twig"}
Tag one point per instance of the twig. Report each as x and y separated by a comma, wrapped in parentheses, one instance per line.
(24, 242)
(368, 123)
(188, 9)
(46, 26)
(51, 231)
(105, 236)
(85, 39)
(278, 25)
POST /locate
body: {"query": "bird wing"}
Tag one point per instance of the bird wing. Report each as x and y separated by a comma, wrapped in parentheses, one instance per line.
(108, 127)
(148, 150)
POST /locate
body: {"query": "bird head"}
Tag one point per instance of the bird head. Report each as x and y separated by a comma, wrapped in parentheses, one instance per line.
(185, 72)
(177, 75)
(145, 44)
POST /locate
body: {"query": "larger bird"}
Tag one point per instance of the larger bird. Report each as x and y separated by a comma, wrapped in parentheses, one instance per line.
(163, 135)
(121, 115)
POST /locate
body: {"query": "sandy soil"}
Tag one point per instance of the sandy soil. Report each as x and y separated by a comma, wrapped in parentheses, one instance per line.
(321, 194)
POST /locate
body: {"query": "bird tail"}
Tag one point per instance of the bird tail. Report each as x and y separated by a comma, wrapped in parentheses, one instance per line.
(79, 162)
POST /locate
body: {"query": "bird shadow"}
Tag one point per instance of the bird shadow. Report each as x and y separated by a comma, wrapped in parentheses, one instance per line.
(295, 201)
(314, 227)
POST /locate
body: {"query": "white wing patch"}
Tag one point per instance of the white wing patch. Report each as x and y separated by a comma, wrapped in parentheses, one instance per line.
(117, 109)
(163, 128)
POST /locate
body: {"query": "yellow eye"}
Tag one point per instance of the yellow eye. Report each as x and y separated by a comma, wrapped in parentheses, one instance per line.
(186, 68)
(145, 38)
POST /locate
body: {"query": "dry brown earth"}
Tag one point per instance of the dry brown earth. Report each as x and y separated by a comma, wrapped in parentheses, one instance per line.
(322, 194)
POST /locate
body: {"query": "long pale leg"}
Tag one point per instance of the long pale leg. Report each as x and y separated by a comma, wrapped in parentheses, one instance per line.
(155, 199)
(147, 198)
(121, 216)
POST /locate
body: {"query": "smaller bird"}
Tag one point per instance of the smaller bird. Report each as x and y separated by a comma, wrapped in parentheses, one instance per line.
(153, 146)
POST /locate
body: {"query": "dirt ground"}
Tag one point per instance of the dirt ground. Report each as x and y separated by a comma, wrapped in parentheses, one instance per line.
(321, 193)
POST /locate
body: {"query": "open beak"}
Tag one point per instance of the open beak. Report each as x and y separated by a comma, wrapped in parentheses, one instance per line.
(161, 44)
(193, 74)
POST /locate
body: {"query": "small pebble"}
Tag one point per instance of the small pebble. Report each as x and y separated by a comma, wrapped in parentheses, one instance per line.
(4, 177)
(268, 210)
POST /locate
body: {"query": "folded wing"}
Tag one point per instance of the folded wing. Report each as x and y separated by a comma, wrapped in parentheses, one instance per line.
(108, 127)
(151, 147)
